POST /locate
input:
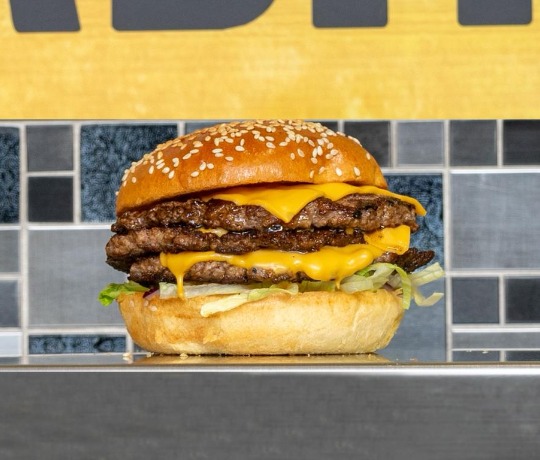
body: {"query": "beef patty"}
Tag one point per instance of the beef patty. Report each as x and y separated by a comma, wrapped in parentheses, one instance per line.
(177, 226)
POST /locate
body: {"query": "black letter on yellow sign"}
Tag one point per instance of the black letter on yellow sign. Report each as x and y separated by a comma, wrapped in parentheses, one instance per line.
(185, 14)
(44, 15)
(350, 13)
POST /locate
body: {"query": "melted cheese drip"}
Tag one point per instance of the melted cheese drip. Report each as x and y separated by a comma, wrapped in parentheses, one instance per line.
(285, 201)
(330, 263)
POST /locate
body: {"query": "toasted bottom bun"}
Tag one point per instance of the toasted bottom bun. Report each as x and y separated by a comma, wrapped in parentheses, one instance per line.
(280, 324)
(261, 360)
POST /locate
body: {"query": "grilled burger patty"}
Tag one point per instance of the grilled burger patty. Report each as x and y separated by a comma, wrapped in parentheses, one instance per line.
(177, 226)
(149, 271)
(366, 212)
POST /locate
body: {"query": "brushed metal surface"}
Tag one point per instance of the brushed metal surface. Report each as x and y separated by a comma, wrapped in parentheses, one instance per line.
(313, 412)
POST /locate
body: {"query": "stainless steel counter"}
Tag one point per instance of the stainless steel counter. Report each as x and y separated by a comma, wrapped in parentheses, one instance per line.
(107, 406)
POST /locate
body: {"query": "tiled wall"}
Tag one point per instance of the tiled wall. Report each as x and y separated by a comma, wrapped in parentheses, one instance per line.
(479, 180)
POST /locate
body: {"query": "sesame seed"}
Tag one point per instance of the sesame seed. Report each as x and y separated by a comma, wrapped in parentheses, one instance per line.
(217, 150)
(356, 171)
(242, 141)
(229, 158)
(322, 169)
(339, 172)
(166, 170)
(283, 144)
(368, 156)
(151, 170)
(160, 155)
(270, 145)
(292, 156)
(301, 153)
(193, 151)
(218, 155)
(133, 179)
(239, 148)
(171, 174)
(202, 166)
(210, 165)
(194, 174)
(176, 162)
(160, 165)
(197, 144)
(311, 174)
(187, 156)
(314, 160)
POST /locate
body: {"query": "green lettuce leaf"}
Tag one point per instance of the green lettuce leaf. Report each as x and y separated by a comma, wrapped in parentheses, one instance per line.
(111, 292)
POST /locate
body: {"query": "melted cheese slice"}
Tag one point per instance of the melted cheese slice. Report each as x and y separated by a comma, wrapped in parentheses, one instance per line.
(285, 201)
(330, 263)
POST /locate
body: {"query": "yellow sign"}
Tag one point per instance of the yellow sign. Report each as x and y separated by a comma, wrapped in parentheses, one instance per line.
(421, 64)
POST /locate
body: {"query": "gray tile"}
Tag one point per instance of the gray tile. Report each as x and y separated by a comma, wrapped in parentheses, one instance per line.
(10, 343)
(50, 199)
(374, 136)
(195, 125)
(9, 304)
(496, 340)
(422, 333)
(473, 142)
(420, 143)
(9, 250)
(475, 300)
(475, 355)
(522, 295)
(49, 147)
(67, 271)
(495, 220)
(521, 142)
(523, 355)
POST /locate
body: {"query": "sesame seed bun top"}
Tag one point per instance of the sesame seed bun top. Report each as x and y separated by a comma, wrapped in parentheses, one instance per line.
(246, 153)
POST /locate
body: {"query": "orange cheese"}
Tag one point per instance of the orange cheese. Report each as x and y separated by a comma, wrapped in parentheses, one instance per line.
(285, 201)
(329, 263)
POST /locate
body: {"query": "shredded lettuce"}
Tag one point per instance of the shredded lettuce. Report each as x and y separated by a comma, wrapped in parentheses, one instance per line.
(233, 301)
(111, 292)
(371, 278)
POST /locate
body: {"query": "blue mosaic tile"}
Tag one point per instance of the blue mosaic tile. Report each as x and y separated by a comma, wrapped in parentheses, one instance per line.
(57, 344)
(9, 175)
(106, 151)
(427, 189)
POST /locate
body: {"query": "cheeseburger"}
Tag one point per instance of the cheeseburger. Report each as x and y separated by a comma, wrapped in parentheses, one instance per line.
(264, 237)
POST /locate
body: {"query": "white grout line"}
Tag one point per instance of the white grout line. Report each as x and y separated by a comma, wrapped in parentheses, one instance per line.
(499, 143)
(77, 212)
(447, 235)
(24, 290)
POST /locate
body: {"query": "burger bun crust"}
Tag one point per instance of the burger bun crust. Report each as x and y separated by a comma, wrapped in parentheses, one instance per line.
(246, 153)
(280, 324)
